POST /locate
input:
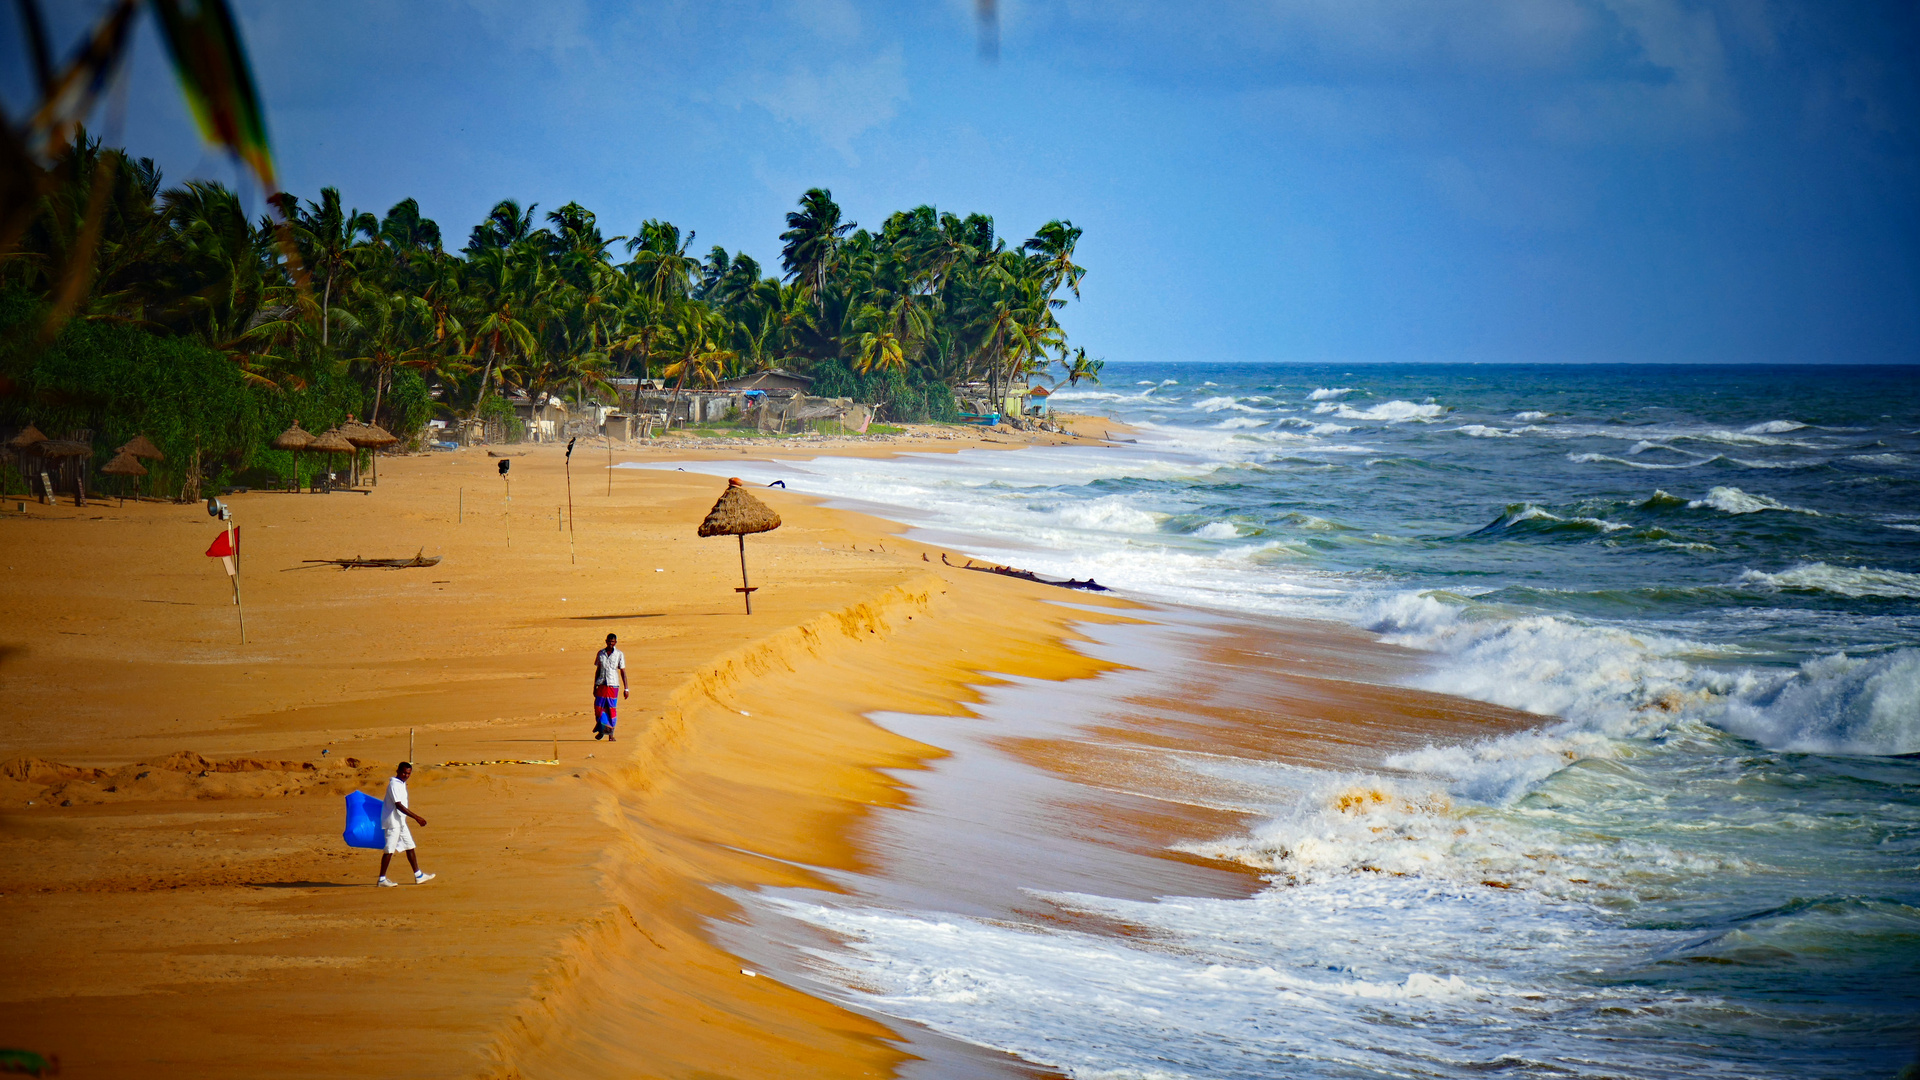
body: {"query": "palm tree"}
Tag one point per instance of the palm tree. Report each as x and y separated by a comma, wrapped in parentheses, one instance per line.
(1052, 248)
(812, 240)
(1083, 368)
(329, 236)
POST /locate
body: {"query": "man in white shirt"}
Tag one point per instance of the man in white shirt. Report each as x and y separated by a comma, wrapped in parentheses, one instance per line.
(393, 819)
(609, 684)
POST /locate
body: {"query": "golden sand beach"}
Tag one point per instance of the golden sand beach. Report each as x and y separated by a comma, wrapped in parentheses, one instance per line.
(177, 895)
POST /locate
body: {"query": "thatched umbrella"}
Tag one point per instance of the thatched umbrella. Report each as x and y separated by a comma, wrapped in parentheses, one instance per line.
(369, 437)
(124, 464)
(331, 442)
(296, 439)
(141, 447)
(738, 513)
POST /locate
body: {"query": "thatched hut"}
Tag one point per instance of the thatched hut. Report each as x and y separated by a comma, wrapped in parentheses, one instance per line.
(72, 456)
(124, 463)
(331, 442)
(24, 441)
(294, 439)
(738, 513)
(24, 447)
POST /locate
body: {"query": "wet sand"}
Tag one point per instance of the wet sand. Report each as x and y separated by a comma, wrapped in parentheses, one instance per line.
(172, 913)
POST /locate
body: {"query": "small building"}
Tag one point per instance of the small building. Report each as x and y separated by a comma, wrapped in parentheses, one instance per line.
(775, 381)
(1037, 401)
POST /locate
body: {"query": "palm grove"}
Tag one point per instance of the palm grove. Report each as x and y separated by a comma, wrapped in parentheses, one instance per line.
(128, 308)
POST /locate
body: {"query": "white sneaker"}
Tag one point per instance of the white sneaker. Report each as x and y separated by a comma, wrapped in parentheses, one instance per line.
(422, 879)
(386, 884)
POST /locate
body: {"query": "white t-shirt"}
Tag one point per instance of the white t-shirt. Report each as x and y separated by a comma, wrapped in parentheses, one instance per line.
(610, 661)
(396, 793)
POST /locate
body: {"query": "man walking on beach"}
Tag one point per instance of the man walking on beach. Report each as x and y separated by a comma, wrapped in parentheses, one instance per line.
(609, 683)
(393, 819)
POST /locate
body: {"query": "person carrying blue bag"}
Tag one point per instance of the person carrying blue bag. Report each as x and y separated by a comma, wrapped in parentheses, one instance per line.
(382, 823)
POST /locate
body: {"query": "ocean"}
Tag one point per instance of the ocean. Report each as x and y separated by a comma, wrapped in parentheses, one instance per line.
(1704, 858)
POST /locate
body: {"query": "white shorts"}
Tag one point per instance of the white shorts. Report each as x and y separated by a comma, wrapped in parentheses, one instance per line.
(399, 837)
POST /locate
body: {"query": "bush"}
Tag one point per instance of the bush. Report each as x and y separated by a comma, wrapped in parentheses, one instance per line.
(907, 397)
(120, 381)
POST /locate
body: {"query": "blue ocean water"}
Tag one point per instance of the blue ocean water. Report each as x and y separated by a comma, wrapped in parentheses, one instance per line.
(1705, 581)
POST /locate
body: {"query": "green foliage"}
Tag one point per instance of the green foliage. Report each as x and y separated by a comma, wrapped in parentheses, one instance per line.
(409, 404)
(190, 324)
(904, 396)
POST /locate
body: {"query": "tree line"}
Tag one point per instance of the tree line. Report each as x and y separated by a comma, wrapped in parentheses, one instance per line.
(319, 309)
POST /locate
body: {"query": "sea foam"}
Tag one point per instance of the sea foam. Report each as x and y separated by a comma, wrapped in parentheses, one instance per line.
(1732, 500)
(1840, 580)
(1390, 411)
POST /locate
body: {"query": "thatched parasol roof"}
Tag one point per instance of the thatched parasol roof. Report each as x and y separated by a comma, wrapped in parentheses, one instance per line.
(365, 436)
(373, 437)
(294, 438)
(142, 447)
(738, 513)
(31, 436)
(330, 442)
(59, 448)
(124, 464)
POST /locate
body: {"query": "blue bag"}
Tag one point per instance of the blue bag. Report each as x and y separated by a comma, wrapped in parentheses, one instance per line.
(363, 821)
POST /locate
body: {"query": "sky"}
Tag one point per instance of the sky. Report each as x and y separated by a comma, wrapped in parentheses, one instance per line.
(1345, 181)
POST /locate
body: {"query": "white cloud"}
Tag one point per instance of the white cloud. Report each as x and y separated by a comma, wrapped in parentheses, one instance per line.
(841, 102)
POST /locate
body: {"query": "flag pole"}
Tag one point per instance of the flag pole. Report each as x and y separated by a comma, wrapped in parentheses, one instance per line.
(239, 609)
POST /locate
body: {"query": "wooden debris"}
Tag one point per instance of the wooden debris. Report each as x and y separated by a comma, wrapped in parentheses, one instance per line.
(419, 559)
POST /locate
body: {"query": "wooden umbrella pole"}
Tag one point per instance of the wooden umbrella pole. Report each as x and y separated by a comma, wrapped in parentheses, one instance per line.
(746, 587)
(509, 510)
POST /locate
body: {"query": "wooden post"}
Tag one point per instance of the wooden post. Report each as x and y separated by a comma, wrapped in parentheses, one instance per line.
(610, 465)
(409, 745)
(461, 511)
(746, 588)
(509, 481)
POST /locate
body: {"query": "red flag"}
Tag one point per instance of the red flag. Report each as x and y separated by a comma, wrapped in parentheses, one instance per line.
(222, 547)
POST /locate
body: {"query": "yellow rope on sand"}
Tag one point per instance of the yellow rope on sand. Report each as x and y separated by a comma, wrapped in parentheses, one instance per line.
(499, 761)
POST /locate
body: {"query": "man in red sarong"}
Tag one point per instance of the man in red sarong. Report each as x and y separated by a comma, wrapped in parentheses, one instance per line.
(609, 685)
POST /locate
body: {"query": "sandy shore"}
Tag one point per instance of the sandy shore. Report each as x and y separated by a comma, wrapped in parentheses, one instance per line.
(176, 893)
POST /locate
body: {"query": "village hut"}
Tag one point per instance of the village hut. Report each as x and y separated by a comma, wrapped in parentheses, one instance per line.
(294, 439)
(124, 464)
(738, 513)
(331, 442)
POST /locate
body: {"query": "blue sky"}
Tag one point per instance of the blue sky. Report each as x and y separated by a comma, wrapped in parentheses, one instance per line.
(1302, 180)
